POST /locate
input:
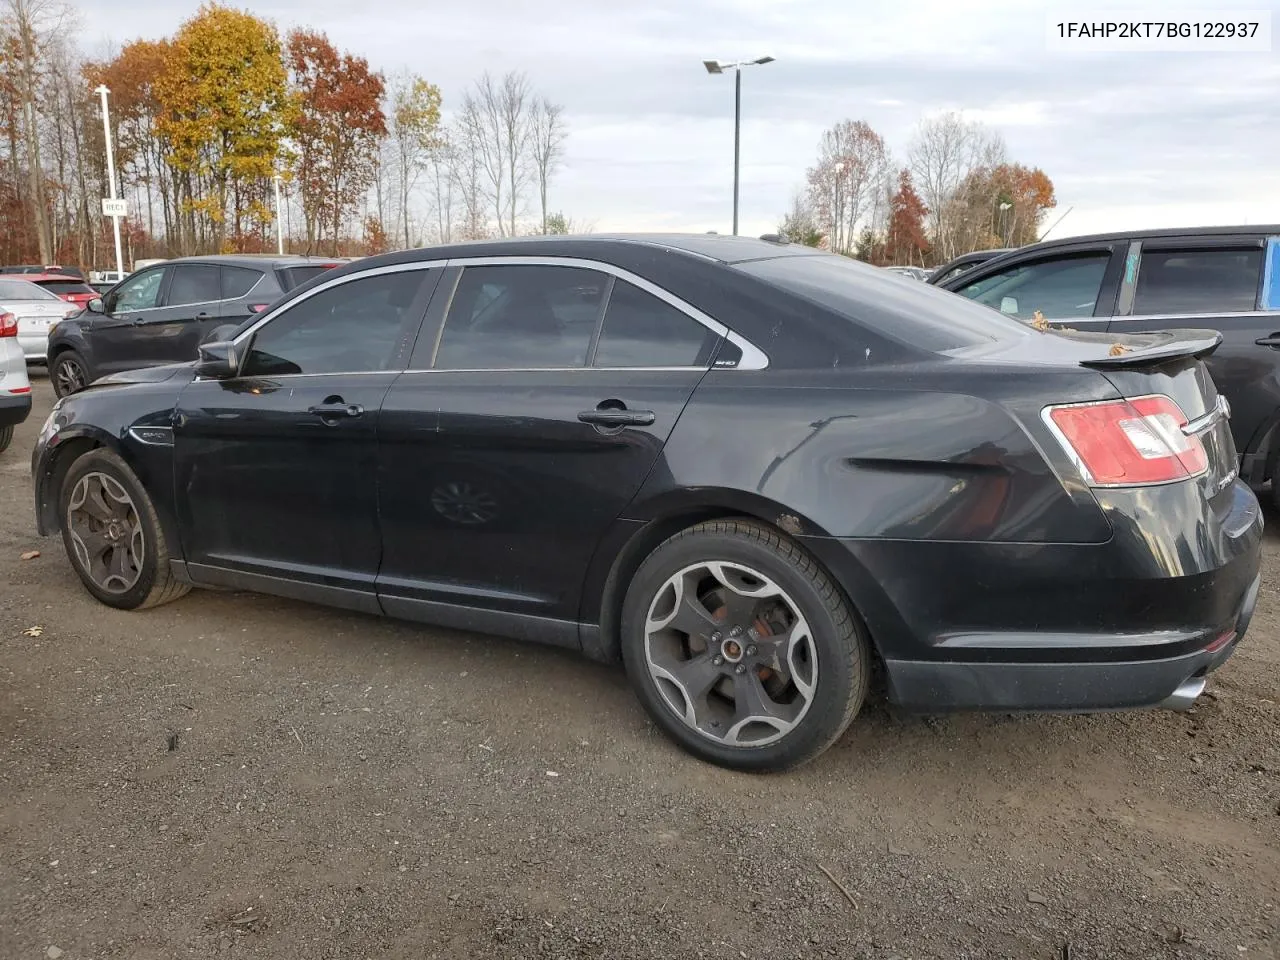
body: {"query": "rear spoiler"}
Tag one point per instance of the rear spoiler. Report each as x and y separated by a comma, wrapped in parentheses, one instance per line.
(1148, 349)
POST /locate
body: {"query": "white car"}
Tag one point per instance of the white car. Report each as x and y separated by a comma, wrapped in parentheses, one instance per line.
(36, 311)
(15, 388)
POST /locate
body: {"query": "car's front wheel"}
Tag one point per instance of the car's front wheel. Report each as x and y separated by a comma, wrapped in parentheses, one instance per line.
(741, 647)
(112, 534)
(68, 373)
(6, 437)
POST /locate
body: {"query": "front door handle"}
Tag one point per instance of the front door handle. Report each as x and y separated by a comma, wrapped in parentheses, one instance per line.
(1271, 341)
(335, 407)
(202, 316)
(613, 417)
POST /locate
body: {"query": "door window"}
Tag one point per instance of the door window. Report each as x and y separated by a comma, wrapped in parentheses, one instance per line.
(641, 330)
(1061, 288)
(136, 293)
(1197, 281)
(193, 283)
(359, 326)
(521, 316)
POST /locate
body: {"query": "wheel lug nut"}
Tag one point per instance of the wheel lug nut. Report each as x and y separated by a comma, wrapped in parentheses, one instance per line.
(740, 668)
(735, 632)
(751, 650)
(716, 637)
(718, 661)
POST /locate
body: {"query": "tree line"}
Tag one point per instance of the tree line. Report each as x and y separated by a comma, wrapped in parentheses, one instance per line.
(209, 123)
(957, 191)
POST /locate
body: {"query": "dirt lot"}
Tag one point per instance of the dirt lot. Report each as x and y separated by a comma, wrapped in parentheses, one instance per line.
(234, 775)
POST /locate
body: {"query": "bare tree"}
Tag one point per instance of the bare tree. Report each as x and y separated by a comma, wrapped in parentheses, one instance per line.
(946, 151)
(496, 118)
(848, 181)
(547, 133)
(469, 175)
(32, 25)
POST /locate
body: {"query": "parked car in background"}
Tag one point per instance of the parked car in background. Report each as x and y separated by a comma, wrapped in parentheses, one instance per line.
(964, 263)
(915, 273)
(35, 311)
(47, 269)
(64, 287)
(162, 313)
(1220, 278)
(107, 277)
(15, 388)
(544, 438)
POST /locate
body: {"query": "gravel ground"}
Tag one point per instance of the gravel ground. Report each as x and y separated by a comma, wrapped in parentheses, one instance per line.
(234, 775)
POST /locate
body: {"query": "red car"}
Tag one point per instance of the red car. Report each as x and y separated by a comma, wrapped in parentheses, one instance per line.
(70, 289)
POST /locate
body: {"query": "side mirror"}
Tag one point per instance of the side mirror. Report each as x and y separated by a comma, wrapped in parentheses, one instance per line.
(222, 333)
(1009, 305)
(96, 305)
(219, 360)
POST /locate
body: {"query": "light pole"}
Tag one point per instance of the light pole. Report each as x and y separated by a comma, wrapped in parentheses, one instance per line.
(838, 219)
(102, 91)
(279, 222)
(1004, 206)
(719, 66)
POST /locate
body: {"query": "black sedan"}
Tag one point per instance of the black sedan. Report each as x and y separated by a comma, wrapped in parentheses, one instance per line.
(746, 469)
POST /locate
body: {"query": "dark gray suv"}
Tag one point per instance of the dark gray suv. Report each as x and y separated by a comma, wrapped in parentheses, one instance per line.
(161, 314)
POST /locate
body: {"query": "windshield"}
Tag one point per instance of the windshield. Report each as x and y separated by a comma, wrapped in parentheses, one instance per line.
(23, 290)
(915, 314)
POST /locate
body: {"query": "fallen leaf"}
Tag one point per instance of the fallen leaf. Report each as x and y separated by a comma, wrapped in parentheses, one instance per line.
(33, 632)
(1117, 349)
(30, 555)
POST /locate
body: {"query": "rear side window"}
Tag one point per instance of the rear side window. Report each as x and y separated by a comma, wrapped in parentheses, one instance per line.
(193, 283)
(237, 281)
(915, 314)
(641, 330)
(1058, 288)
(291, 277)
(1197, 281)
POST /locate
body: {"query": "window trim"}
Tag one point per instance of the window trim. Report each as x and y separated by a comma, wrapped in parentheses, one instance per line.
(166, 282)
(753, 358)
(1141, 246)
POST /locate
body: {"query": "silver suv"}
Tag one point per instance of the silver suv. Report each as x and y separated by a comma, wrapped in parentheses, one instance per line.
(15, 388)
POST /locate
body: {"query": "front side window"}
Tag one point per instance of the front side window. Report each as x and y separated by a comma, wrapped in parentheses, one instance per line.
(640, 330)
(1057, 289)
(193, 283)
(136, 293)
(359, 326)
(521, 316)
(1197, 281)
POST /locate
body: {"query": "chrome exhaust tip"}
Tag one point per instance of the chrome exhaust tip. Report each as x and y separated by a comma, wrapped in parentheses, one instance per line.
(1185, 696)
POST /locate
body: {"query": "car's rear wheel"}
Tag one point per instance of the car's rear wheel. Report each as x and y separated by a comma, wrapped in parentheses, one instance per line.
(6, 437)
(68, 374)
(741, 647)
(112, 534)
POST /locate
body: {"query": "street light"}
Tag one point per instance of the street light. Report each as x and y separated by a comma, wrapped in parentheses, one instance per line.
(719, 66)
(102, 91)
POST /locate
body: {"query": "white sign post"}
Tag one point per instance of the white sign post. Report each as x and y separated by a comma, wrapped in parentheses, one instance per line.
(111, 206)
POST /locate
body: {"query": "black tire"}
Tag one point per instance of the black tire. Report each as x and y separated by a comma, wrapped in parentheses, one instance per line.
(68, 373)
(843, 658)
(155, 583)
(6, 437)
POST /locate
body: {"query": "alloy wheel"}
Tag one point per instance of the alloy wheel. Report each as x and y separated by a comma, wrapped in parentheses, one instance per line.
(68, 377)
(106, 532)
(731, 653)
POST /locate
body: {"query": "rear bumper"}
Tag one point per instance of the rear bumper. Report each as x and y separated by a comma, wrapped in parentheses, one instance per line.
(1068, 687)
(1062, 627)
(14, 409)
(35, 346)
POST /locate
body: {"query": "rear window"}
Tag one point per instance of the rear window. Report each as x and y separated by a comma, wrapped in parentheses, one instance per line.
(23, 290)
(65, 286)
(237, 281)
(291, 277)
(1197, 281)
(915, 314)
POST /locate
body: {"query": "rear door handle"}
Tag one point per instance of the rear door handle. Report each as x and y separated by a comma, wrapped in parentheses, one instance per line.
(618, 418)
(1271, 341)
(331, 409)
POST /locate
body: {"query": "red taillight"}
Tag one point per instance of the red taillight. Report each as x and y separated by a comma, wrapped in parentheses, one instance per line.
(1220, 641)
(8, 325)
(1120, 443)
(19, 389)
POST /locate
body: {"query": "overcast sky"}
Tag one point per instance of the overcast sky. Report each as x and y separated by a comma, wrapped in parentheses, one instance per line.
(1129, 139)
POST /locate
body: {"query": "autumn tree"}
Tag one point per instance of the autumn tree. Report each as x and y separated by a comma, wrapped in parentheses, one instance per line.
(905, 238)
(415, 128)
(339, 127)
(495, 122)
(946, 151)
(224, 111)
(848, 183)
